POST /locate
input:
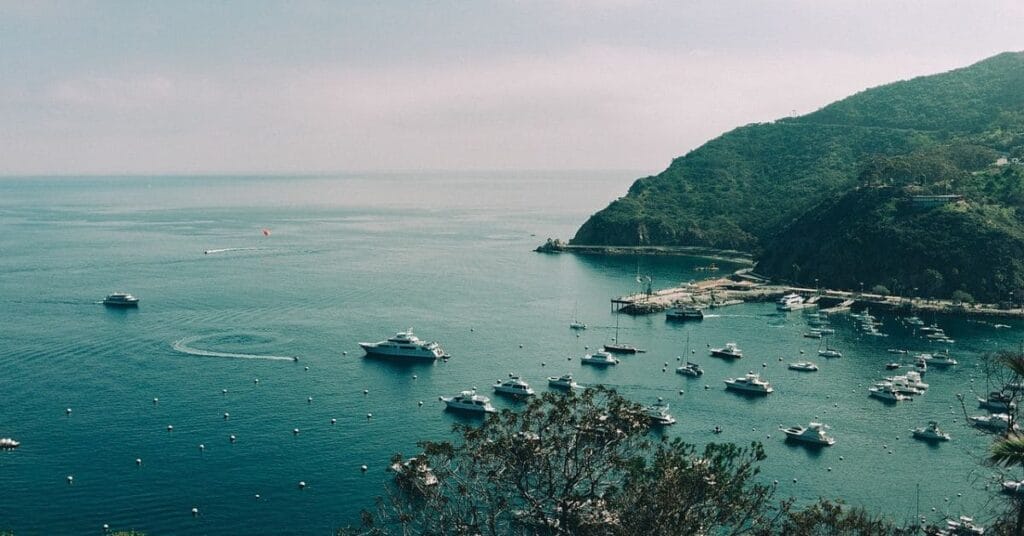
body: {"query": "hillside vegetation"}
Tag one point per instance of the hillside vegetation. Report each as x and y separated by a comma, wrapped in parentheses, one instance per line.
(824, 196)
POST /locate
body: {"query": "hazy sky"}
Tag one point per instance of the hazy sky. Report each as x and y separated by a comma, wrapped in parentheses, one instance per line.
(271, 87)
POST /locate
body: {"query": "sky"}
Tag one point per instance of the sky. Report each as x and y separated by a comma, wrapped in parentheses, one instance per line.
(228, 87)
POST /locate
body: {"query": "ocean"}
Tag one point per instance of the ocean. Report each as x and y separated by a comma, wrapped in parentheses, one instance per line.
(358, 257)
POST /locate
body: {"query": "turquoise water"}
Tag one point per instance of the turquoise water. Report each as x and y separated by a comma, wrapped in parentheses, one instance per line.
(356, 258)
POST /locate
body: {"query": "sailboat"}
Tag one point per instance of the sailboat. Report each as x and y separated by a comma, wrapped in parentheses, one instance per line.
(829, 352)
(576, 324)
(616, 347)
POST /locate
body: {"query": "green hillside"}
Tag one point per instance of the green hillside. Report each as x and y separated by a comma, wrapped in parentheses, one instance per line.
(748, 185)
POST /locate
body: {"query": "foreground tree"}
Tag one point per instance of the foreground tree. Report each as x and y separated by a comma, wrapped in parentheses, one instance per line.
(586, 464)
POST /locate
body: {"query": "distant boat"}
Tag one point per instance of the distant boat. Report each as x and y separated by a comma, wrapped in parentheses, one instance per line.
(576, 324)
(564, 381)
(514, 386)
(617, 347)
(8, 443)
(813, 434)
(121, 299)
(658, 414)
(469, 401)
(803, 366)
(404, 345)
(750, 383)
(930, 433)
(600, 358)
(684, 312)
(790, 302)
(730, 350)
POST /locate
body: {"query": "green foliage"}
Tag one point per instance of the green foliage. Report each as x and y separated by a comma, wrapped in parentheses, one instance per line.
(961, 296)
(827, 518)
(881, 290)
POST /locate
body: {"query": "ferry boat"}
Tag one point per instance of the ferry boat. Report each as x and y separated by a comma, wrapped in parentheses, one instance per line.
(803, 366)
(685, 312)
(751, 383)
(469, 401)
(600, 358)
(790, 302)
(405, 345)
(121, 299)
(514, 385)
(658, 414)
(8, 443)
(564, 381)
(930, 433)
(690, 369)
(813, 434)
(730, 350)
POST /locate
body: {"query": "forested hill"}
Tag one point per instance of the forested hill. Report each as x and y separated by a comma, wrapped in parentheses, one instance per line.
(749, 185)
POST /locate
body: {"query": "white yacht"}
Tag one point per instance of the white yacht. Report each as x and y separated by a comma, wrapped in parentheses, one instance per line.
(469, 401)
(930, 432)
(887, 393)
(803, 366)
(814, 434)
(964, 525)
(121, 299)
(564, 381)
(404, 344)
(829, 352)
(8, 443)
(658, 413)
(942, 360)
(514, 385)
(730, 350)
(600, 358)
(690, 369)
(997, 401)
(899, 387)
(998, 422)
(790, 302)
(751, 383)
(1013, 486)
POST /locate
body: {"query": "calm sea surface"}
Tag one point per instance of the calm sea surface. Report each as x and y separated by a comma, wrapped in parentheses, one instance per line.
(357, 258)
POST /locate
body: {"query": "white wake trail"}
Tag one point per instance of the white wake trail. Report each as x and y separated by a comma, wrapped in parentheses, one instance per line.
(183, 347)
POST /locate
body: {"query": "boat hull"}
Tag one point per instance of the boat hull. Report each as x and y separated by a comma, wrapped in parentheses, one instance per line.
(372, 350)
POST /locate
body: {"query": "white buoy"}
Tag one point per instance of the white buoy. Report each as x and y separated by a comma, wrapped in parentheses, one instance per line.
(257, 380)
(302, 484)
(366, 391)
(543, 364)
(680, 391)
(666, 363)
(369, 416)
(829, 468)
(106, 527)
(138, 461)
(71, 479)
(231, 438)
(170, 428)
(335, 421)
(309, 400)
(306, 369)
(227, 415)
(520, 345)
(195, 512)
(257, 496)
(344, 353)
(67, 411)
(363, 468)
(841, 458)
(794, 480)
(420, 402)
(223, 391)
(202, 447)
(156, 401)
(415, 377)
(295, 431)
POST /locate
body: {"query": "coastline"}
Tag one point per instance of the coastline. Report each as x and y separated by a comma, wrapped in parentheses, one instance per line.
(724, 255)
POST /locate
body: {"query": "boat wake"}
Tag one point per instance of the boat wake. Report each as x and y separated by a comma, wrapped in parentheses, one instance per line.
(224, 250)
(183, 347)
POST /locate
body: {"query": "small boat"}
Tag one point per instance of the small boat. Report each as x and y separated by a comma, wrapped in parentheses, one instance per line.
(469, 401)
(897, 351)
(813, 434)
(829, 352)
(825, 330)
(998, 422)
(892, 366)
(930, 433)
(913, 321)
(803, 366)
(658, 413)
(965, 525)
(404, 345)
(414, 472)
(617, 347)
(730, 350)
(576, 324)
(685, 312)
(899, 387)
(1013, 486)
(564, 381)
(690, 369)
(887, 394)
(997, 401)
(7, 443)
(813, 334)
(790, 302)
(121, 299)
(599, 357)
(750, 383)
(514, 386)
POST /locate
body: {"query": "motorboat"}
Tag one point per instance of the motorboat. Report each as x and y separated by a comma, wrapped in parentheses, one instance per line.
(898, 351)
(1013, 486)
(514, 385)
(564, 381)
(750, 383)
(469, 401)
(599, 357)
(803, 366)
(930, 432)
(892, 366)
(121, 299)
(813, 434)
(730, 350)
(658, 413)
(690, 369)
(8, 443)
(964, 525)
(830, 352)
(913, 321)
(912, 379)
(685, 312)
(942, 360)
(813, 334)
(900, 387)
(887, 393)
(997, 401)
(414, 472)
(404, 345)
(997, 422)
(790, 302)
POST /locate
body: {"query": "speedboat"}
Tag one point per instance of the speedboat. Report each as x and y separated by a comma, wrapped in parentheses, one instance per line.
(121, 299)
(690, 369)
(8, 443)
(930, 433)
(514, 385)
(599, 357)
(730, 350)
(564, 381)
(998, 422)
(405, 345)
(751, 383)
(997, 401)
(814, 434)
(803, 366)
(887, 393)
(658, 414)
(577, 325)
(685, 312)
(790, 302)
(469, 401)
(892, 366)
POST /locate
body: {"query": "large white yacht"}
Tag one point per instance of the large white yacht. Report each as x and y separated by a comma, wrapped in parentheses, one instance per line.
(730, 350)
(121, 299)
(887, 393)
(469, 401)
(790, 302)
(930, 432)
(814, 434)
(658, 413)
(404, 344)
(514, 385)
(565, 381)
(600, 358)
(751, 383)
